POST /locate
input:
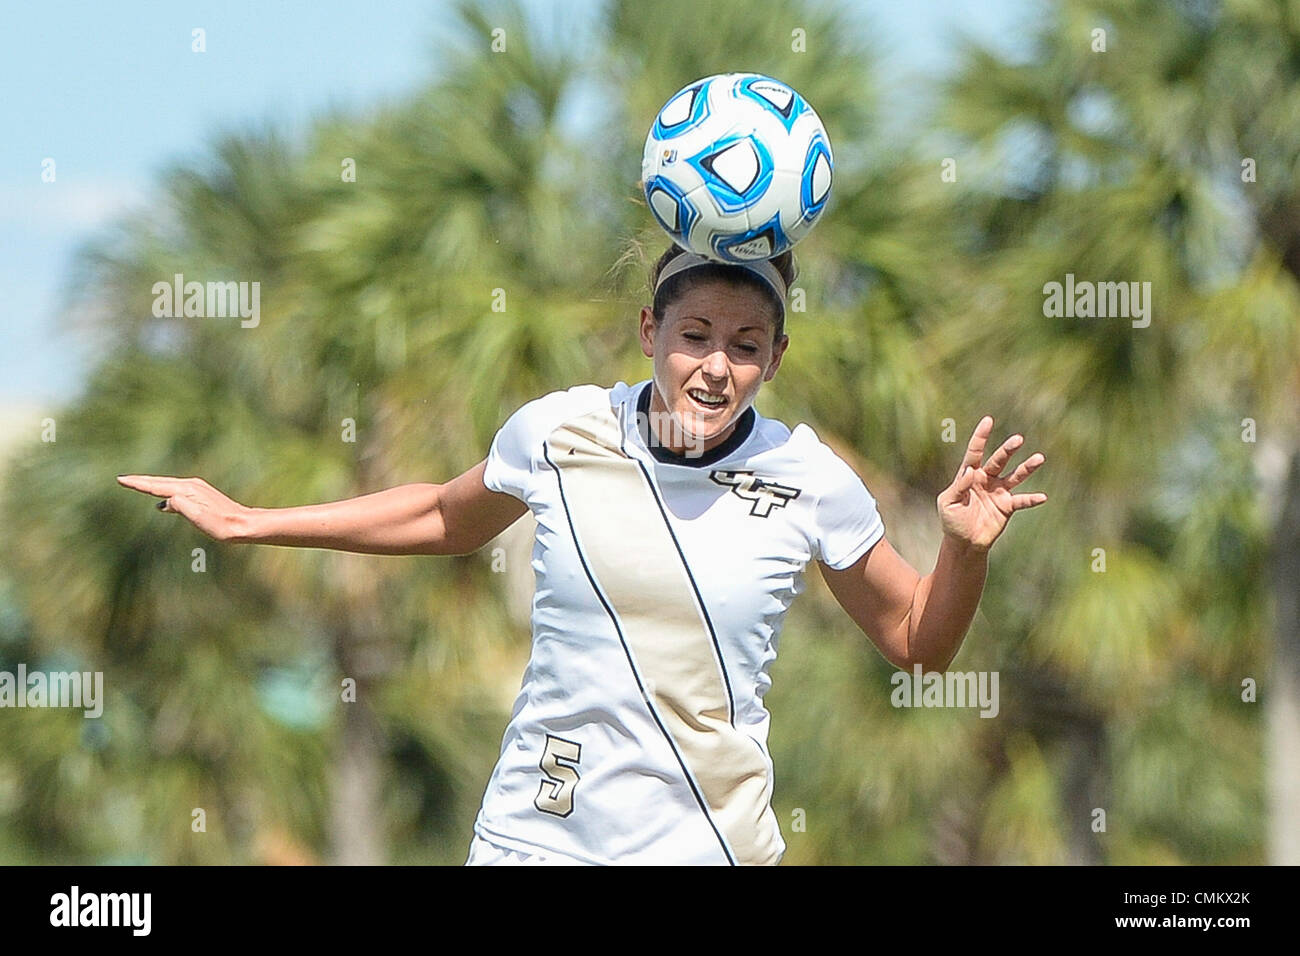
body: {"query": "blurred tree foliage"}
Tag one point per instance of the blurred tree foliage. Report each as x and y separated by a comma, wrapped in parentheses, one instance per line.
(514, 174)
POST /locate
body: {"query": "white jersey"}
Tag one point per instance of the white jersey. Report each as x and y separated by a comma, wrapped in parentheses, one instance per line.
(662, 581)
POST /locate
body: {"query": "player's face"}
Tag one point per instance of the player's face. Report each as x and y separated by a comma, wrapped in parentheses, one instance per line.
(716, 340)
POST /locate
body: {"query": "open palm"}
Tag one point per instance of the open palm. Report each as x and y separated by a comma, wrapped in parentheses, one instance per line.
(976, 507)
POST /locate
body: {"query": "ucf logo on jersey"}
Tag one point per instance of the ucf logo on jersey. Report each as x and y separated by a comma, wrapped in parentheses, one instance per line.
(762, 495)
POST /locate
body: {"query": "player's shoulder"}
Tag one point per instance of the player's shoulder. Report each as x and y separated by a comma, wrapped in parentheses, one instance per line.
(801, 454)
(517, 446)
(562, 404)
(800, 444)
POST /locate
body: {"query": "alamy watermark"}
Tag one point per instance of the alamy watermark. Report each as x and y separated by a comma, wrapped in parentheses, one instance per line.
(946, 689)
(84, 690)
(129, 910)
(215, 300)
(663, 429)
(1086, 300)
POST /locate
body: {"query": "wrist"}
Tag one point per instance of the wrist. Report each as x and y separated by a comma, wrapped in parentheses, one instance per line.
(244, 525)
(963, 547)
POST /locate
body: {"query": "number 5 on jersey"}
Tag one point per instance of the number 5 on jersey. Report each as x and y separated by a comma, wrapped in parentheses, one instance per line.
(555, 795)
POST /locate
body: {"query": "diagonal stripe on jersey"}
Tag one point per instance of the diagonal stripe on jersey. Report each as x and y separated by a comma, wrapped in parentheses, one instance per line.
(630, 553)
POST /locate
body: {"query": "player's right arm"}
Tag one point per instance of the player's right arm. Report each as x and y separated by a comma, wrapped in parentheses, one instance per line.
(457, 517)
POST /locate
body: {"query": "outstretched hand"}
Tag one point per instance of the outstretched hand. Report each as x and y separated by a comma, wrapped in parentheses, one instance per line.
(976, 507)
(206, 508)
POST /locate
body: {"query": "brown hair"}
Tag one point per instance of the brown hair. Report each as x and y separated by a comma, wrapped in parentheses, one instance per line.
(678, 285)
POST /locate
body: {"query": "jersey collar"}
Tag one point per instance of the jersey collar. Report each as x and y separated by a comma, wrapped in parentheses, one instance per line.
(741, 433)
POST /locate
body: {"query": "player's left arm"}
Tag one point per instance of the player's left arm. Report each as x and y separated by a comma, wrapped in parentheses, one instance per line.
(914, 619)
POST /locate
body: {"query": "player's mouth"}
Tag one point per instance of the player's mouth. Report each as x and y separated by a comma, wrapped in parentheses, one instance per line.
(706, 401)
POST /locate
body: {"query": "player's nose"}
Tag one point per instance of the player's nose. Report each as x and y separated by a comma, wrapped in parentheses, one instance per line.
(715, 364)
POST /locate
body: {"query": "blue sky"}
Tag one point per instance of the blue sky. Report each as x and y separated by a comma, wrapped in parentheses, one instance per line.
(113, 93)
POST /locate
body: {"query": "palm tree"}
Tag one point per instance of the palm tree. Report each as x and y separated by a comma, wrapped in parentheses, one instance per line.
(1113, 175)
(372, 325)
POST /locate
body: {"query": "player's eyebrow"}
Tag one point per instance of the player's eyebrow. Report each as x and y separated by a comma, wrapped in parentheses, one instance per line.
(743, 328)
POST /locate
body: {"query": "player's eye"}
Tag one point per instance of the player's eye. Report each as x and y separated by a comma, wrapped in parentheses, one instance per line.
(750, 349)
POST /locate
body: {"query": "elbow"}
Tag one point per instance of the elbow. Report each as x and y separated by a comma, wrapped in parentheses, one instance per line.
(914, 651)
(930, 660)
(911, 655)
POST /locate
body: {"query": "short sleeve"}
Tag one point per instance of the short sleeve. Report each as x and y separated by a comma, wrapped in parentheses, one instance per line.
(847, 522)
(515, 455)
(510, 461)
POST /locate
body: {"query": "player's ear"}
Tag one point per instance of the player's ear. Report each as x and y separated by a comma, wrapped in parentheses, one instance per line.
(648, 326)
(778, 350)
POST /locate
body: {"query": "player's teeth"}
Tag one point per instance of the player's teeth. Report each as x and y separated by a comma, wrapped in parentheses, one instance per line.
(704, 398)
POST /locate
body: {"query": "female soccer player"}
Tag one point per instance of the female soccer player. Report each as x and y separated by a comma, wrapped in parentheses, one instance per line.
(674, 525)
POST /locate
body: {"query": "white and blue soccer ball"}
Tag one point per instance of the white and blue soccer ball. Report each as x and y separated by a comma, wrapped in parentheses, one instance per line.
(737, 167)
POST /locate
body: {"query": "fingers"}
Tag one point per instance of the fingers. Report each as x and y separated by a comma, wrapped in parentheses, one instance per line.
(153, 484)
(975, 450)
(998, 460)
(1021, 502)
(958, 489)
(1026, 468)
(167, 488)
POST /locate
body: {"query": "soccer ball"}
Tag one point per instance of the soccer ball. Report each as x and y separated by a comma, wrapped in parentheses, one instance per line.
(737, 167)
